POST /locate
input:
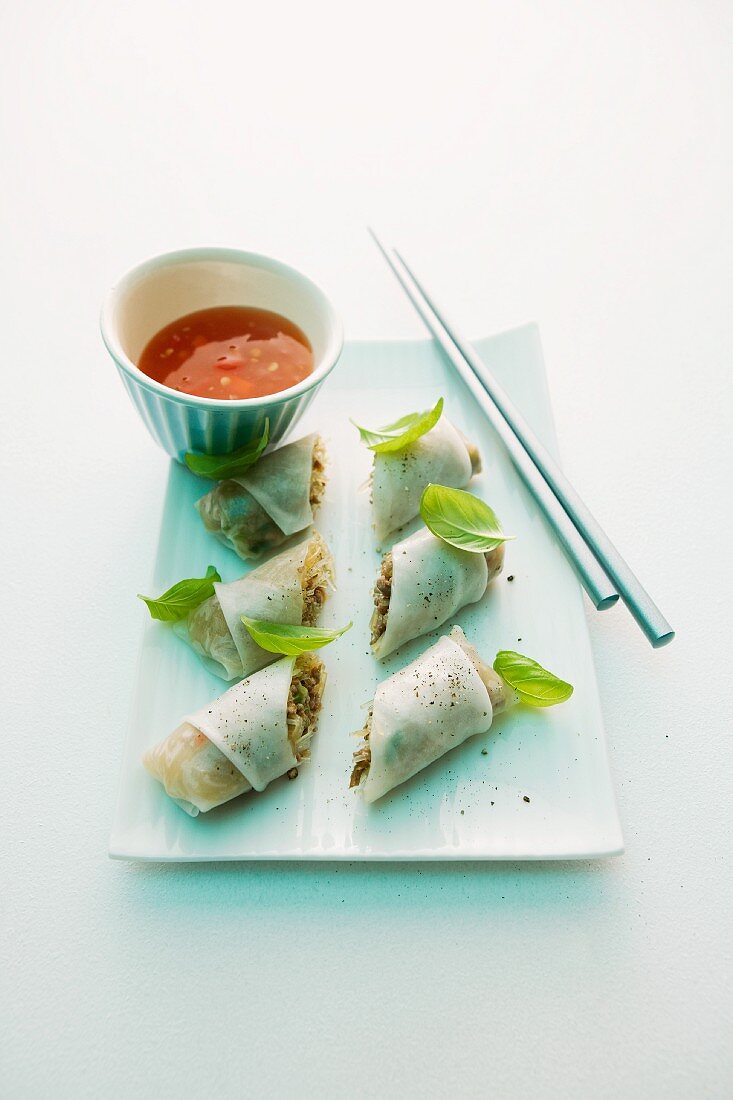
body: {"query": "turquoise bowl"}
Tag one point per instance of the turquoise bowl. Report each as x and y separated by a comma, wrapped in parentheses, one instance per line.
(166, 287)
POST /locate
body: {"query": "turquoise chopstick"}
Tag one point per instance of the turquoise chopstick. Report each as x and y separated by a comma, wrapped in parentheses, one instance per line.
(600, 567)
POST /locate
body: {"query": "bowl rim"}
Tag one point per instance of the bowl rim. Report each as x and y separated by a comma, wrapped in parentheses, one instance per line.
(253, 259)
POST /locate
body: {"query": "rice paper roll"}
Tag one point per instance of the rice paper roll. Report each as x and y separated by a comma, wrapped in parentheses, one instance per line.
(248, 724)
(290, 588)
(257, 731)
(422, 583)
(273, 500)
(441, 456)
(423, 711)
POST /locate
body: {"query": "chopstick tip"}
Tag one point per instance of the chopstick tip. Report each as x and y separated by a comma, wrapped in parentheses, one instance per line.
(377, 240)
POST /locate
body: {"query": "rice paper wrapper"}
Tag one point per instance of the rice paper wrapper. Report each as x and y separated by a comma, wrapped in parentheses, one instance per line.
(280, 483)
(398, 479)
(215, 649)
(193, 774)
(431, 581)
(273, 592)
(431, 706)
(248, 723)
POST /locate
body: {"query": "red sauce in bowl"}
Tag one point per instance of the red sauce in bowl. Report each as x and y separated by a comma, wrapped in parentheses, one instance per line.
(228, 353)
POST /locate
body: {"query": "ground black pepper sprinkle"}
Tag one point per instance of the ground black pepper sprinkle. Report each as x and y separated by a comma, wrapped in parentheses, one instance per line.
(525, 798)
(510, 577)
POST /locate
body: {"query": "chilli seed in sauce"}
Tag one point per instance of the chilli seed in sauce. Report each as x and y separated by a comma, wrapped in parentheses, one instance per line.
(228, 353)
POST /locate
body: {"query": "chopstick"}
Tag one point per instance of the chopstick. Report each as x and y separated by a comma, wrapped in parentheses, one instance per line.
(602, 571)
(595, 581)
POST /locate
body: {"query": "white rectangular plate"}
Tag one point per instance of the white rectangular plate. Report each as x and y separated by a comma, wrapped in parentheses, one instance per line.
(467, 805)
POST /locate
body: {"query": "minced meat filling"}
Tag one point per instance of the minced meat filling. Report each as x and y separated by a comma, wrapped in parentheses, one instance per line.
(304, 702)
(313, 604)
(382, 594)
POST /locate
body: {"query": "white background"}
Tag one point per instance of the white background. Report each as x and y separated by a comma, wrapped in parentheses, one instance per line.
(570, 163)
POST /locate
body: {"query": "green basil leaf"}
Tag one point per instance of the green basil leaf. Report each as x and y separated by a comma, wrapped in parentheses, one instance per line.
(461, 519)
(533, 683)
(218, 467)
(183, 597)
(289, 640)
(397, 436)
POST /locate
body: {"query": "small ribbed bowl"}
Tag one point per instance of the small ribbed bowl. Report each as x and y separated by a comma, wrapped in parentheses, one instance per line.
(161, 290)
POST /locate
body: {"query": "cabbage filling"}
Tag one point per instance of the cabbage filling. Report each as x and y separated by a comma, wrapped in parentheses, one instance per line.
(316, 577)
(362, 756)
(318, 474)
